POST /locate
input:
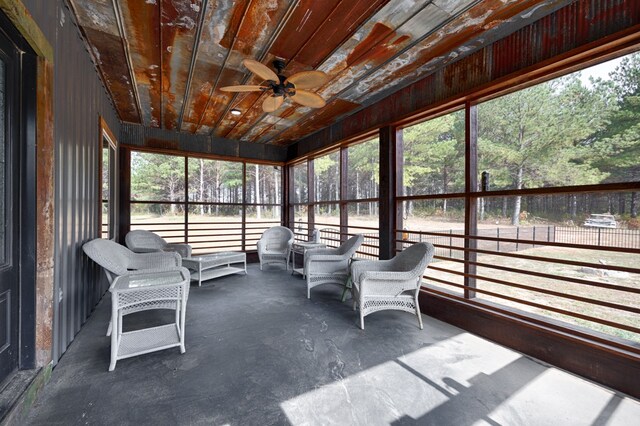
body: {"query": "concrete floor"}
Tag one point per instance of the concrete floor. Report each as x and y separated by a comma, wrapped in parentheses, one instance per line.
(260, 353)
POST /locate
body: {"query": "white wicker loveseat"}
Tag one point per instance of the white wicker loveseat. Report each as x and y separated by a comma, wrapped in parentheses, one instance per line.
(330, 265)
(275, 246)
(141, 241)
(391, 284)
(117, 260)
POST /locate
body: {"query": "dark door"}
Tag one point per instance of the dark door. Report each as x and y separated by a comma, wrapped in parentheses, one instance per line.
(9, 210)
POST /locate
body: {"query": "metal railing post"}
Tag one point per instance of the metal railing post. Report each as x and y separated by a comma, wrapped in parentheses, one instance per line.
(534, 236)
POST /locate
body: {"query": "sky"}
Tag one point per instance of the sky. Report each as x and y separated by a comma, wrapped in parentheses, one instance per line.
(601, 70)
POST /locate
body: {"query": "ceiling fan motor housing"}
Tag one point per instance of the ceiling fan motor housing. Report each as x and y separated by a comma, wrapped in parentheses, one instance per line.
(280, 88)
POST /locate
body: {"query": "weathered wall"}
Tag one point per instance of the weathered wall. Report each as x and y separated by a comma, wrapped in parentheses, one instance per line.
(79, 99)
(569, 28)
(151, 137)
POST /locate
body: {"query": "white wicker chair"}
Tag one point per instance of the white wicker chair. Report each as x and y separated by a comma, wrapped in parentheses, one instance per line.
(275, 246)
(117, 260)
(330, 265)
(391, 284)
(141, 241)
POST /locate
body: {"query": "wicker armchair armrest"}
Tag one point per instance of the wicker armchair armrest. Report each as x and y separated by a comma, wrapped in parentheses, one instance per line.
(147, 250)
(362, 266)
(316, 262)
(320, 251)
(158, 260)
(183, 249)
(387, 276)
(326, 258)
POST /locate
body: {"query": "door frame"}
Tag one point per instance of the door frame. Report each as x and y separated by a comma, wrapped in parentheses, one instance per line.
(36, 185)
(24, 106)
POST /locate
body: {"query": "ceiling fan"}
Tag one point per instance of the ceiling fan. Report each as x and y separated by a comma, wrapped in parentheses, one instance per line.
(281, 87)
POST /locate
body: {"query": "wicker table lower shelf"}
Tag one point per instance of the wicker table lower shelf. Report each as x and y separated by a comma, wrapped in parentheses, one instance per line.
(147, 340)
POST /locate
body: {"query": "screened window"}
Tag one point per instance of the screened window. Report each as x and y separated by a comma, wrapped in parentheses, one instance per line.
(107, 188)
(213, 205)
(327, 177)
(433, 156)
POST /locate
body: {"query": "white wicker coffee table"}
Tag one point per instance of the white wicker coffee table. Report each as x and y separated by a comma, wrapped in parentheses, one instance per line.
(214, 265)
(142, 291)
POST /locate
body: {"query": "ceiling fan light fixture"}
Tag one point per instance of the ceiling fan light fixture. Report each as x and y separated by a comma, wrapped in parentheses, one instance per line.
(236, 112)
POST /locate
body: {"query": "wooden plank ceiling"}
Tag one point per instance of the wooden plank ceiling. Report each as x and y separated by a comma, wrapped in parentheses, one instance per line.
(164, 61)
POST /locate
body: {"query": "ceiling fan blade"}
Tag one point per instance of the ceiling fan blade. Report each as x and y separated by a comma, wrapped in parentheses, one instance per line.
(308, 79)
(243, 88)
(260, 70)
(308, 99)
(272, 103)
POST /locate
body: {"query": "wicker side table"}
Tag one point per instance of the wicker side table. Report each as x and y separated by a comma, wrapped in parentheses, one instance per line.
(140, 291)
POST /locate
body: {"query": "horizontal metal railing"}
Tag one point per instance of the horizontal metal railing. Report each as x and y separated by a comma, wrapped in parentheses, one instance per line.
(520, 280)
(526, 279)
(209, 236)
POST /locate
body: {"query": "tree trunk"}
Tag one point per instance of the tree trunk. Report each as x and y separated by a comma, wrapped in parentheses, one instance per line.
(445, 185)
(504, 206)
(258, 208)
(357, 193)
(515, 216)
(573, 206)
(481, 205)
(201, 186)
(634, 205)
(276, 185)
(621, 203)
(172, 192)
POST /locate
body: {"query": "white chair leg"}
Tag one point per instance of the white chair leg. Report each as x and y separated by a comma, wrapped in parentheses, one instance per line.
(109, 329)
(418, 313)
(361, 318)
(183, 318)
(114, 337)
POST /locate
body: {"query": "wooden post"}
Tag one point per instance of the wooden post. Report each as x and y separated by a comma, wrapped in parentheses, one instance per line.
(288, 212)
(344, 212)
(399, 190)
(471, 200)
(186, 200)
(124, 210)
(244, 207)
(388, 137)
(311, 185)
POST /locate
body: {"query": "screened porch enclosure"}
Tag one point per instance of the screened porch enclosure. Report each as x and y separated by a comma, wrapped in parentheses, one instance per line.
(504, 196)
(504, 133)
(509, 233)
